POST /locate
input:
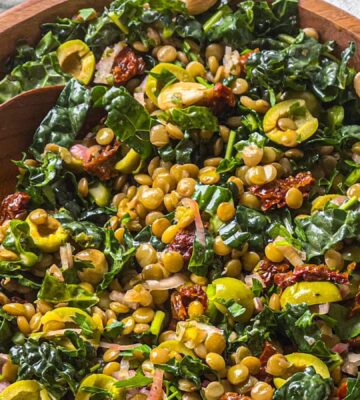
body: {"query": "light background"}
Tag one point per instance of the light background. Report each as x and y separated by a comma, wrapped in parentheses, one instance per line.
(352, 6)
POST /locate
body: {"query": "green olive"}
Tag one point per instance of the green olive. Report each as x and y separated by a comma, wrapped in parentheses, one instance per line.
(24, 390)
(306, 125)
(310, 293)
(227, 289)
(99, 381)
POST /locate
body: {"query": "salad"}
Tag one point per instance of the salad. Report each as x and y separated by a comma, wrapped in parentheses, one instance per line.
(186, 221)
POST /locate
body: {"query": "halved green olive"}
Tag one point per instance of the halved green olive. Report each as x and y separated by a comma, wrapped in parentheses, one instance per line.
(152, 82)
(25, 390)
(310, 293)
(305, 125)
(100, 194)
(100, 381)
(300, 361)
(228, 289)
(76, 59)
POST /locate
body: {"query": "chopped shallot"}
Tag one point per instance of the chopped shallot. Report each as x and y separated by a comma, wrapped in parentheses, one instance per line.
(200, 231)
(324, 308)
(295, 257)
(340, 348)
(118, 347)
(156, 391)
(165, 284)
(258, 304)
(80, 152)
(66, 256)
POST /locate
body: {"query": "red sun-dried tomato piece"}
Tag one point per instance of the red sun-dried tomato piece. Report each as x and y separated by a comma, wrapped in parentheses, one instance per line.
(267, 270)
(102, 165)
(272, 195)
(183, 243)
(268, 351)
(310, 273)
(342, 390)
(127, 65)
(181, 299)
(245, 57)
(222, 97)
(14, 206)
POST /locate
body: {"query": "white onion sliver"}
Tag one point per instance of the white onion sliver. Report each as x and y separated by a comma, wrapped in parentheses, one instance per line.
(324, 308)
(165, 284)
(294, 257)
(118, 347)
(104, 66)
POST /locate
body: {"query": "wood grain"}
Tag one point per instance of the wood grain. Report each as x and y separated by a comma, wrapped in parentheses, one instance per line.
(332, 24)
(24, 20)
(19, 118)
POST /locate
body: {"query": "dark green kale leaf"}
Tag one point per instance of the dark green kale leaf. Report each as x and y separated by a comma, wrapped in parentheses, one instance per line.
(255, 223)
(252, 20)
(233, 308)
(202, 255)
(346, 328)
(33, 74)
(303, 64)
(144, 236)
(137, 381)
(65, 29)
(261, 328)
(54, 291)
(97, 393)
(129, 120)
(19, 241)
(6, 331)
(117, 256)
(192, 368)
(113, 330)
(50, 185)
(210, 196)
(305, 336)
(58, 369)
(84, 233)
(194, 117)
(64, 121)
(353, 388)
(128, 19)
(232, 234)
(305, 385)
(324, 229)
(293, 325)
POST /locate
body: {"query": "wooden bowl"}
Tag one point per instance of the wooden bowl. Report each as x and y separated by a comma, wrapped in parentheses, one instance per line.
(18, 120)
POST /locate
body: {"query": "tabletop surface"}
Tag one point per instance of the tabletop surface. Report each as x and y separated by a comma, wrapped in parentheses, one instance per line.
(351, 6)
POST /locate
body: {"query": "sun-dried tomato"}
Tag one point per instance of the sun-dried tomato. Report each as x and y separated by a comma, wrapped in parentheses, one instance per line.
(181, 299)
(102, 165)
(267, 270)
(342, 390)
(127, 65)
(234, 396)
(222, 98)
(268, 351)
(183, 243)
(14, 206)
(310, 273)
(273, 194)
(245, 57)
